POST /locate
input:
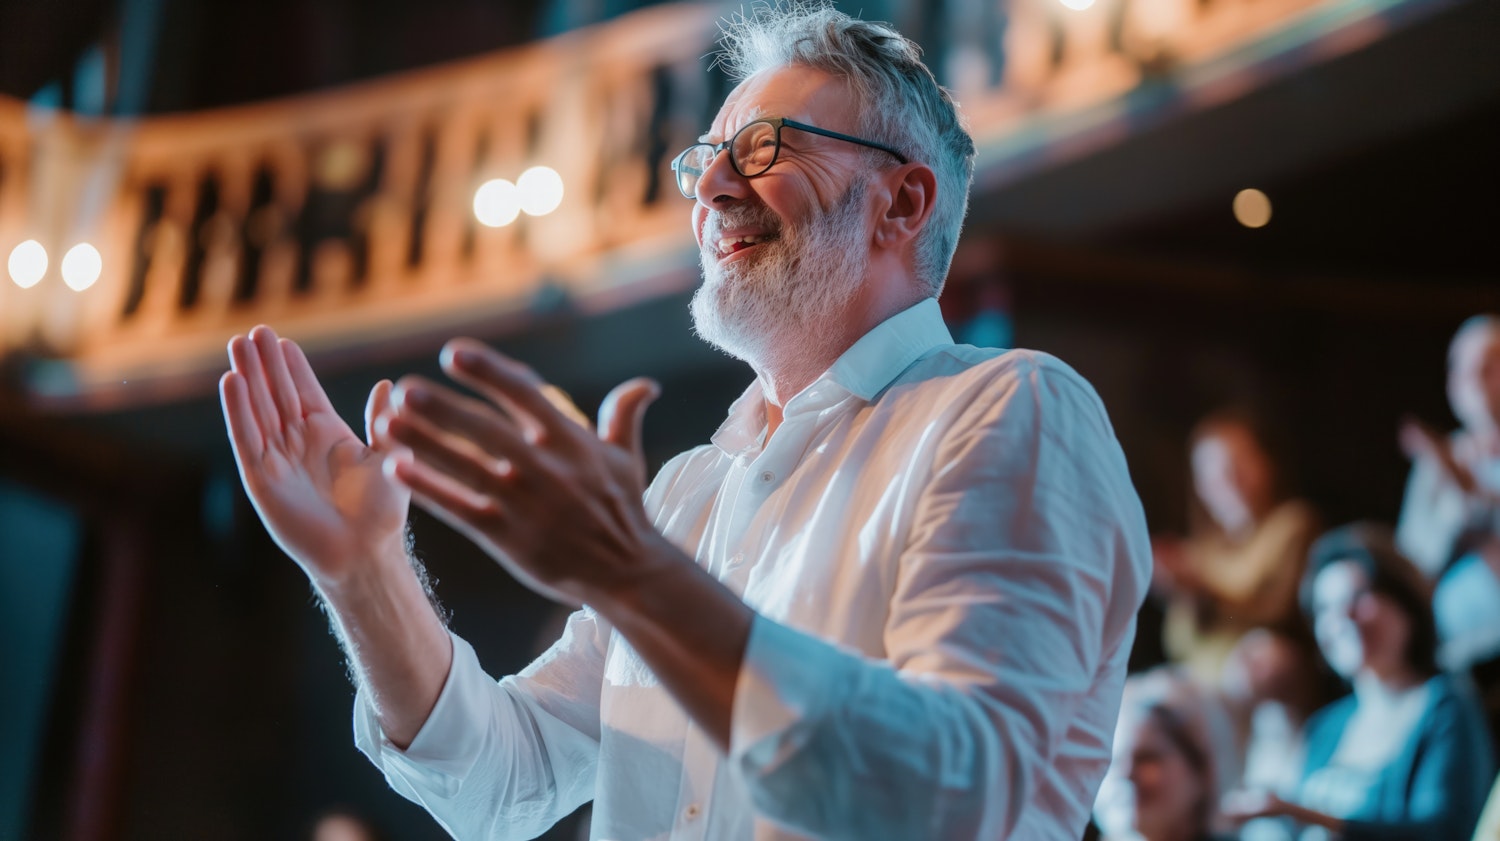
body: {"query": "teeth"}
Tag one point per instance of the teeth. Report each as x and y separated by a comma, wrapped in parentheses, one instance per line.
(727, 244)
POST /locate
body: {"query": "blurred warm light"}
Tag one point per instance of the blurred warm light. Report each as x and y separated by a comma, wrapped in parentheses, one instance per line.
(1077, 5)
(541, 190)
(81, 266)
(497, 203)
(341, 165)
(28, 262)
(1252, 208)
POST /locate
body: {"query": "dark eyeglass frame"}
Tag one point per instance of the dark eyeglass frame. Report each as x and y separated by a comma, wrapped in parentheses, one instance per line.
(777, 124)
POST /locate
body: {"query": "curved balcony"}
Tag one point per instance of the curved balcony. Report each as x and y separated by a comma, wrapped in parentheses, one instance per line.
(344, 217)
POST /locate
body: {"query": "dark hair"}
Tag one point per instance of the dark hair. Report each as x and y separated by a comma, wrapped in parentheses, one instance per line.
(1264, 433)
(1372, 547)
(1191, 743)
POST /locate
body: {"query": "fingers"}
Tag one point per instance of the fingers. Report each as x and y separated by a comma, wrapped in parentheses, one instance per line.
(467, 511)
(245, 361)
(472, 420)
(239, 417)
(378, 405)
(453, 457)
(309, 392)
(278, 378)
(511, 385)
(623, 414)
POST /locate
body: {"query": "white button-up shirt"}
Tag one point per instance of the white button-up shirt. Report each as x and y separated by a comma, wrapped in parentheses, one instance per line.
(946, 556)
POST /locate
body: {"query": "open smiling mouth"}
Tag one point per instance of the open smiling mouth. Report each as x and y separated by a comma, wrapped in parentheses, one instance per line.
(730, 246)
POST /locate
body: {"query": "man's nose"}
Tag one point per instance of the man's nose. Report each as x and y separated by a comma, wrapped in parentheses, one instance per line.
(720, 184)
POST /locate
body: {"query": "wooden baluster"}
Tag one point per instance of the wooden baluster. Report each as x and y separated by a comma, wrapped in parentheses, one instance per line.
(281, 255)
(167, 250)
(223, 245)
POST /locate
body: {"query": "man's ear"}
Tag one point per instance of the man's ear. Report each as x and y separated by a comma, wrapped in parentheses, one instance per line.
(913, 189)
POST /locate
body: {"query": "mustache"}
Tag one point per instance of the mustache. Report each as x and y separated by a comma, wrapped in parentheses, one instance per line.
(719, 221)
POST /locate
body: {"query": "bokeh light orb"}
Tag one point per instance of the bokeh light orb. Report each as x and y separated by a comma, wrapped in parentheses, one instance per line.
(1252, 208)
(541, 190)
(497, 203)
(1077, 5)
(27, 264)
(81, 266)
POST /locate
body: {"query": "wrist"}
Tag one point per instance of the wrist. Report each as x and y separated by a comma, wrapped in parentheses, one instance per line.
(365, 570)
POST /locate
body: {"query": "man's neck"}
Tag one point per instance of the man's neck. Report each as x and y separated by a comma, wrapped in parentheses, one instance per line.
(798, 360)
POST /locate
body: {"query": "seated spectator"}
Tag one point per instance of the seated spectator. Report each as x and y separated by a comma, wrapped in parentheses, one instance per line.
(1240, 571)
(1406, 755)
(1275, 681)
(1450, 518)
(1164, 781)
(341, 824)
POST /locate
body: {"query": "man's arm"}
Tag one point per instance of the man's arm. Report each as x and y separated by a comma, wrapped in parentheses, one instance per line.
(322, 495)
(1022, 577)
(560, 507)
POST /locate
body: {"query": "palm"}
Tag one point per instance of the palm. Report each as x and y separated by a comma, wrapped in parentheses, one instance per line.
(321, 492)
(318, 488)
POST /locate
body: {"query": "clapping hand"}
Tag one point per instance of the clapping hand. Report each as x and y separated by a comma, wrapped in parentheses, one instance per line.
(558, 505)
(319, 489)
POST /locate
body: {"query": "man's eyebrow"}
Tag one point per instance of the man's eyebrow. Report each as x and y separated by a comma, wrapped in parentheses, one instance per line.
(756, 113)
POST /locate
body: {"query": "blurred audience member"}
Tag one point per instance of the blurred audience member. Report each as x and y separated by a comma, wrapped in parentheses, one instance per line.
(1450, 519)
(1489, 820)
(1240, 569)
(1276, 680)
(340, 824)
(1406, 755)
(1165, 778)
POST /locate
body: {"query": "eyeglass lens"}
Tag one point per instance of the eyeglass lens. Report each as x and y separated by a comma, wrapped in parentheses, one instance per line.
(752, 151)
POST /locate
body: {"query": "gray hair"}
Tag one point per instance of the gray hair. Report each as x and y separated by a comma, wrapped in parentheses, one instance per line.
(901, 103)
(1482, 323)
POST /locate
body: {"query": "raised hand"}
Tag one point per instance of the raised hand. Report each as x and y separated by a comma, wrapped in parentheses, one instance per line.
(557, 505)
(318, 488)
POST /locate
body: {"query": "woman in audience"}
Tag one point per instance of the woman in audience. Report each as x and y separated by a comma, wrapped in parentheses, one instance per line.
(1163, 782)
(1275, 681)
(1240, 570)
(1406, 755)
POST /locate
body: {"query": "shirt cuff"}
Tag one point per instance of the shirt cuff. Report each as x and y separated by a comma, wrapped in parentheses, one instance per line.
(445, 748)
(787, 678)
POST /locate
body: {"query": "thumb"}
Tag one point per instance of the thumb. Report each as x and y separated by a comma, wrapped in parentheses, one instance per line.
(623, 413)
(378, 404)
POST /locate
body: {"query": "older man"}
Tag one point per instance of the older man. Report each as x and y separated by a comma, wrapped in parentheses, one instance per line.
(893, 598)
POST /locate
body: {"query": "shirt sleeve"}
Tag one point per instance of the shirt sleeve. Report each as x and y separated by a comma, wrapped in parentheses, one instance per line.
(1428, 524)
(1016, 591)
(502, 760)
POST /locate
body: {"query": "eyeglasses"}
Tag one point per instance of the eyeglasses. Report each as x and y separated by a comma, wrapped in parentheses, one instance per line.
(753, 150)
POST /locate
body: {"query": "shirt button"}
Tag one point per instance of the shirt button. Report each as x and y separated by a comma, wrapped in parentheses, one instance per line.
(691, 812)
(767, 476)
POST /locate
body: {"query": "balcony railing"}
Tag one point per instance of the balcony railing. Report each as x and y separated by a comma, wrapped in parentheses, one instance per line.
(344, 217)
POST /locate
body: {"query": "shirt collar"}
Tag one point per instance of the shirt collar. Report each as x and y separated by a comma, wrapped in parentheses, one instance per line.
(864, 370)
(883, 353)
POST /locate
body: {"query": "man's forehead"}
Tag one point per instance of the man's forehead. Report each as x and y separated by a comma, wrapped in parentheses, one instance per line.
(721, 128)
(790, 91)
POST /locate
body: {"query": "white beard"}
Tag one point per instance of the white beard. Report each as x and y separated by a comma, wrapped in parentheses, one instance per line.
(772, 309)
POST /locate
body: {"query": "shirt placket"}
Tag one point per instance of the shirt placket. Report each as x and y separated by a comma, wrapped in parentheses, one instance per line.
(700, 765)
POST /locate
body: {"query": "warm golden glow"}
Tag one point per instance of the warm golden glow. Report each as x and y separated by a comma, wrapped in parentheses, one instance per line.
(28, 262)
(81, 266)
(541, 190)
(1252, 208)
(497, 203)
